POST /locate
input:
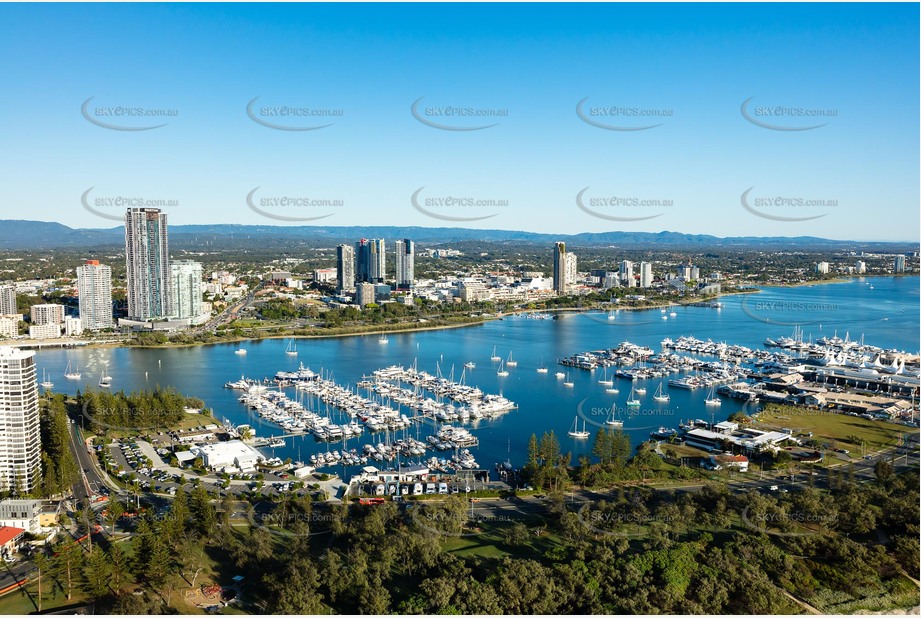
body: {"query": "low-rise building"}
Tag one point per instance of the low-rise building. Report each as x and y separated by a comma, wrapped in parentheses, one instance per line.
(230, 454)
(324, 275)
(10, 539)
(50, 515)
(44, 331)
(9, 325)
(21, 514)
(748, 439)
(191, 437)
(73, 327)
(185, 458)
(726, 460)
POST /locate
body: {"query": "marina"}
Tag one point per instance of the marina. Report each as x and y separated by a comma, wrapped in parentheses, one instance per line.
(541, 402)
(382, 410)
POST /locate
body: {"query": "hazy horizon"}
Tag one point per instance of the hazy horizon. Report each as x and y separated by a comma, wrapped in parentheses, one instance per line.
(173, 225)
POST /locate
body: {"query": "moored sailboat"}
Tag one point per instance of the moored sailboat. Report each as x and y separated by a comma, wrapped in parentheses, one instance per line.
(574, 432)
(70, 374)
(632, 401)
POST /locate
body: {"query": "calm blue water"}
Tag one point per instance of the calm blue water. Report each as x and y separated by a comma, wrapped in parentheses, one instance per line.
(886, 314)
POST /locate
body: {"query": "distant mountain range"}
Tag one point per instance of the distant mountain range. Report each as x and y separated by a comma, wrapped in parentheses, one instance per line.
(15, 234)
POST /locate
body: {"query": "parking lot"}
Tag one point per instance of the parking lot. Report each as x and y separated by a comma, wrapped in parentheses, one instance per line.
(127, 458)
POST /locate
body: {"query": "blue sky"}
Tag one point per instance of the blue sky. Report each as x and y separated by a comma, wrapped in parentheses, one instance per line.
(696, 64)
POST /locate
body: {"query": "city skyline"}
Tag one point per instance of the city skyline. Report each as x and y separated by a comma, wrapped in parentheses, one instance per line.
(711, 165)
(460, 308)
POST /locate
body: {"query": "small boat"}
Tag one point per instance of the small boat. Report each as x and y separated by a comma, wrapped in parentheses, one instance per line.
(633, 402)
(663, 433)
(611, 315)
(712, 399)
(494, 356)
(660, 395)
(240, 351)
(560, 374)
(641, 390)
(502, 372)
(567, 382)
(383, 339)
(542, 368)
(511, 362)
(672, 314)
(575, 432)
(291, 349)
(664, 317)
(46, 383)
(604, 381)
(613, 391)
(70, 374)
(105, 380)
(470, 365)
(612, 420)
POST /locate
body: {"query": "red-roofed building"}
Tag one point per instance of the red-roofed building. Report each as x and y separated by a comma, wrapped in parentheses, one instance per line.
(9, 539)
(725, 460)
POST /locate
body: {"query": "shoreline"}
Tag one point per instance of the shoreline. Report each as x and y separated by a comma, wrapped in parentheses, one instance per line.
(419, 329)
(411, 329)
(290, 336)
(378, 331)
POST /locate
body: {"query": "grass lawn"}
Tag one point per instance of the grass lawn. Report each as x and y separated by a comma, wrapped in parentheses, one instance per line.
(189, 421)
(24, 601)
(194, 420)
(829, 426)
(490, 543)
(684, 451)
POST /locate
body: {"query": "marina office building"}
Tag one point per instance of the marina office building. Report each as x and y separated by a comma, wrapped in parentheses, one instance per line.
(728, 434)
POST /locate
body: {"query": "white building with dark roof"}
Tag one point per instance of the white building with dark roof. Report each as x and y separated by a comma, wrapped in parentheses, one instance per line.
(231, 454)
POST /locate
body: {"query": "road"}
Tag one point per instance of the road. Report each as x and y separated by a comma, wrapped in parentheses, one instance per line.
(12, 573)
(221, 318)
(89, 480)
